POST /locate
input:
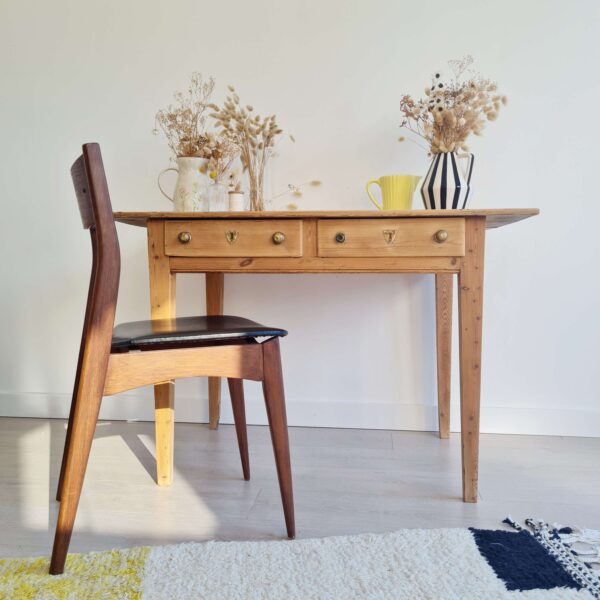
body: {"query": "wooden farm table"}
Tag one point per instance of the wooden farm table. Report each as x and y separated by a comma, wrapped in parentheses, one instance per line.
(442, 242)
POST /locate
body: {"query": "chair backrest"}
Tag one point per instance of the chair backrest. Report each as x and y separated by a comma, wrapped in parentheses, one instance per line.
(91, 190)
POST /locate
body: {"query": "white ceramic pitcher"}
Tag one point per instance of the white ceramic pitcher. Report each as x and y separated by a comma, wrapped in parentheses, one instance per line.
(190, 183)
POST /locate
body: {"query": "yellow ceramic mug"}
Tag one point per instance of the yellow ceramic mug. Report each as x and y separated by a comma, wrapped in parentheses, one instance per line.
(396, 191)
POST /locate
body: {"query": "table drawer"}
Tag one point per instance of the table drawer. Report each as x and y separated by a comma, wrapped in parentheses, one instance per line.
(391, 237)
(239, 238)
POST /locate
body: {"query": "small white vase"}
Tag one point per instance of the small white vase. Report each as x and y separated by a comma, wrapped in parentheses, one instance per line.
(189, 185)
(236, 201)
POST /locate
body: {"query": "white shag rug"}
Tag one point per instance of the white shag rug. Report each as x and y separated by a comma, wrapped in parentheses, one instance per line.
(434, 564)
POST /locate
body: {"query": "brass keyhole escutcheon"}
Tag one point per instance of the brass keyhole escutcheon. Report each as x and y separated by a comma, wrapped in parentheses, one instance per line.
(340, 237)
(278, 237)
(440, 236)
(185, 237)
(389, 235)
(231, 236)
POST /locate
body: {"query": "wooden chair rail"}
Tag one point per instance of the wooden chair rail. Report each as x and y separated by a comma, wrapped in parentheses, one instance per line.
(131, 370)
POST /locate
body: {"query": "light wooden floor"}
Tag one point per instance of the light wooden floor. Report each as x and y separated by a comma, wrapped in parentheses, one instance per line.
(346, 481)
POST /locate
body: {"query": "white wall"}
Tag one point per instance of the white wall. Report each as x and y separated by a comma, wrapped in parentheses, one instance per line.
(361, 348)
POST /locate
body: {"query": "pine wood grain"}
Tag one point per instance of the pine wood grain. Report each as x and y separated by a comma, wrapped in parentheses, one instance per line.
(496, 217)
(234, 237)
(390, 237)
(443, 319)
(162, 306)
(470, 312)
(215, 297)
(369, 256)
(313, 264)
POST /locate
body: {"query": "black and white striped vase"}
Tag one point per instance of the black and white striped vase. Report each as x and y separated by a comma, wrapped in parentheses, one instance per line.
(446, 184)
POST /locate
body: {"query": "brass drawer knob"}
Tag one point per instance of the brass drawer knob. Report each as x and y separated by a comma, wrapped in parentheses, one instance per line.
(340, 237)
(185, 237)
(278, 237)
(440, 236)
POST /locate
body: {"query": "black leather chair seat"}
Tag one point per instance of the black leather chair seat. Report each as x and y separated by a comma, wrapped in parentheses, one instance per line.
(143, 335)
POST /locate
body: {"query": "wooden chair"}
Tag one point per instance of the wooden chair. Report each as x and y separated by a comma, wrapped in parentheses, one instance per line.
(150, 352)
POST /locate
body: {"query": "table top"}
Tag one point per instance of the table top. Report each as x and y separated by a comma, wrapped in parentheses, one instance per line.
(495, 217)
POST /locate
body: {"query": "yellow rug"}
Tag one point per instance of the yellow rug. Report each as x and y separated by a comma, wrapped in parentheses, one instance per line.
(112, 575)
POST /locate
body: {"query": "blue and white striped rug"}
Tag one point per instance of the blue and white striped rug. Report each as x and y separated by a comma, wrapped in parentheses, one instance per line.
(537, 562)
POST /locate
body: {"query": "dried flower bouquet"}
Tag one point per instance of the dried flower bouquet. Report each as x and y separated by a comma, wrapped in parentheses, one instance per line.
(254, 135)
(184, 126)
(241, 133)
(196, 150)
(184, 123)
(220, 152)
(452, 110)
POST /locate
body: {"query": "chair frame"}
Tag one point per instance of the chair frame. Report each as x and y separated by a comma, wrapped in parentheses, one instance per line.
(102, 373)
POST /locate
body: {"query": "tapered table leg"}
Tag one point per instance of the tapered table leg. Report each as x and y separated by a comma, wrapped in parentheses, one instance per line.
(470, 310)
(215, 287)
(162, 306)
(443, 314)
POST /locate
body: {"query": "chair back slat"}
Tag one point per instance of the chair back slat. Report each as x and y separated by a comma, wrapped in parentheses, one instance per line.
(92, 194)
(82, 191)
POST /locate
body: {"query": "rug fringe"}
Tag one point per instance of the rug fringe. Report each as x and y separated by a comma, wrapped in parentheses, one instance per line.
(583, 542)
(510, 521)
(577, 550)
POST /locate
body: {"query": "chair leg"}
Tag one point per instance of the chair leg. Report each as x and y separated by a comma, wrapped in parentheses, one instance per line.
(236, 391)
(63, 464)
(75, 388)
(82, 429)
(275, 403)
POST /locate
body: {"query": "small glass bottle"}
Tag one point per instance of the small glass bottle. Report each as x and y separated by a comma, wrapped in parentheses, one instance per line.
(217, 197)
